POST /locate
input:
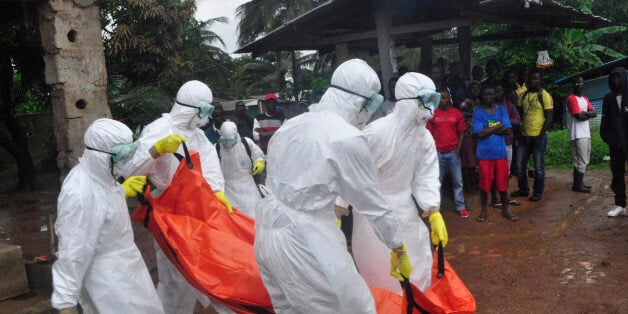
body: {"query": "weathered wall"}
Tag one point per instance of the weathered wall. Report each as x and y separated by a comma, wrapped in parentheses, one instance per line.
(75, 68)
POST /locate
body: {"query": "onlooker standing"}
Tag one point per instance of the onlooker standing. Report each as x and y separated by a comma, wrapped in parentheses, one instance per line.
(243, 120)
(469, 161)
(476, 75)
(218, 117)
(614, 131)
(389, 104)
(455, 83)
(535, 107)
(491, 124)
(492, 72)
(437, 76)
(580, 111)
(266, 124)
(447, 127)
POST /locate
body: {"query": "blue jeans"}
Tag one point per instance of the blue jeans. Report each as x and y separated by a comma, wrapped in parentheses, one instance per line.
(531, 145)
(449, 163)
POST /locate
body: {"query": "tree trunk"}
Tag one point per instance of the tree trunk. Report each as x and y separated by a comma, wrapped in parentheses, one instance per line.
(17, 143)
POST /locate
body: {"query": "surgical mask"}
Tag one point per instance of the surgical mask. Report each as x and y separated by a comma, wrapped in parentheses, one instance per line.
(205, 109)
(199, 122)
(120, 155)
(228, 140)
(428, 100)
(371, 103)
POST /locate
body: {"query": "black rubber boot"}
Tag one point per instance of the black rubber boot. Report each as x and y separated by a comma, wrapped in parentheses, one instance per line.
(577, 182)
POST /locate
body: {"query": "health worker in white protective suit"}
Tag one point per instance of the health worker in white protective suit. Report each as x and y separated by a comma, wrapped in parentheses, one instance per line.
(312, 158)
(239, 163)
(98, 264)
(190, 111)
(406, 161)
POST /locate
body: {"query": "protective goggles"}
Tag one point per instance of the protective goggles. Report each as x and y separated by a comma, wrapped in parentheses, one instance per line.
(120, 153)
(428, 99)
(228, 140)
(205, 109)
(371, 103)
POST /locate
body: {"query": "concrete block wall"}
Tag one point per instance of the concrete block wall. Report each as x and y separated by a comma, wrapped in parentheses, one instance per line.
(13, 280)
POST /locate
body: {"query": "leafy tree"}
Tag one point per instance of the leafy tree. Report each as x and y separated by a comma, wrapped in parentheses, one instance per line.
(22, 88)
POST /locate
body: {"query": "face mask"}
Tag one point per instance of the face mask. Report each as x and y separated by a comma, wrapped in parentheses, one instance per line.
(228, 140)
(120, 155)
(372, 102)
(199, 122)
(205, 109)
(428, 100)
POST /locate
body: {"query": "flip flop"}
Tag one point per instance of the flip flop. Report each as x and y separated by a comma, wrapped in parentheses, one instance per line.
(510, 216)
(514, 203)
(497, 205)
(480, 218)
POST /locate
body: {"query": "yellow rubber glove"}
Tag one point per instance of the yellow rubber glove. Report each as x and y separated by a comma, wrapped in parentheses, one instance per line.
(259, 167)
(439, 231)
(133, 185)
(339, 223)
(400, 265)
(169, 144)
(223, 198)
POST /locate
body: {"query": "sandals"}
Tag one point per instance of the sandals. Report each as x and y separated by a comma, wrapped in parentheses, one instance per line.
(510, 216)
(481, 217)
(497, 205)
(514, 203)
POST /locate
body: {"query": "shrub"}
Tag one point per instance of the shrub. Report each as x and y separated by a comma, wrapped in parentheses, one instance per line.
(558, 151)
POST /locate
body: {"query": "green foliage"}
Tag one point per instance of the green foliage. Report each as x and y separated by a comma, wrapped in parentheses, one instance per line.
(558, 150)
(137, 105)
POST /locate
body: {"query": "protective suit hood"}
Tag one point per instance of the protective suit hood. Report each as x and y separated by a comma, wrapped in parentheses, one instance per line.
(407, 110)
(356, 76)
(103, 134)
(190, 93)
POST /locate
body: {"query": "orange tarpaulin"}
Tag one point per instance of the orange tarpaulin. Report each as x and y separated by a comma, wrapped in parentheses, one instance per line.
(213, 250)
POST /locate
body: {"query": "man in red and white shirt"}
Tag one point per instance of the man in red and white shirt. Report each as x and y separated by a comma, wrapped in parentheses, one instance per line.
(580, 111)
(267, 123)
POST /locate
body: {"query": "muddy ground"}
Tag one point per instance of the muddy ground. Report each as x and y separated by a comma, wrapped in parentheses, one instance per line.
(563, 255)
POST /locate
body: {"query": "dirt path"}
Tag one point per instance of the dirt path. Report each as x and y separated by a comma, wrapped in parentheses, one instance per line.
(563, 255)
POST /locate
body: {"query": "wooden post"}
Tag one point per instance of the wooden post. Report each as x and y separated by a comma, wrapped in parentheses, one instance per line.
(385, 45)
(342, 53)
(426, 55)
(75, 68)
(465, 50)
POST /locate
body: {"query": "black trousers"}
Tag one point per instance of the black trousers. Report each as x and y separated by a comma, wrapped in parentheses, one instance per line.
(618, 168)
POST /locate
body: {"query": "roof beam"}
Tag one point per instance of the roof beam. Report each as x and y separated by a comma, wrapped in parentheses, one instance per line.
(398, 30)
(501, 36)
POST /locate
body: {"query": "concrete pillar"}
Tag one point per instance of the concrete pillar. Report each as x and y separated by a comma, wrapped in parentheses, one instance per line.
(75, 68)
(385, 44)
(342, 53)
(465, 50)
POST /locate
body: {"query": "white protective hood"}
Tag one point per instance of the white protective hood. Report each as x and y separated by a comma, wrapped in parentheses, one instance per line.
(98, 263)
(406, 160)
(356, 76)
(190, 93)
(238, 170)
(312, 158)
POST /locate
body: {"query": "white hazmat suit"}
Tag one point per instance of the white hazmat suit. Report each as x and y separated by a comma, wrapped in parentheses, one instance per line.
(405, 157)
(237, 169)
(176, 294)
(301, 253)
(98, 263)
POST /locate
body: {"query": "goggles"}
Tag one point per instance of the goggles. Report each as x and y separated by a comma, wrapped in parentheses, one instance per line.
(120, 153)
(228, 140)
(372, 102)
(428, 99)
(205, 109)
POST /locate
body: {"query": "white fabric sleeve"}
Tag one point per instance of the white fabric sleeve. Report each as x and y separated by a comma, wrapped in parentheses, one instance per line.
(142, 163)
(255, 133)
(79, 228)
(425, 184)
(256, 153)
(358, 184)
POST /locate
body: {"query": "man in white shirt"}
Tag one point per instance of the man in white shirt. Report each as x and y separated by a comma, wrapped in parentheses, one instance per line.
(580, 111)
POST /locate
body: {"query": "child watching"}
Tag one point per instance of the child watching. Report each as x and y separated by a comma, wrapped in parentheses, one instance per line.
(490, 125)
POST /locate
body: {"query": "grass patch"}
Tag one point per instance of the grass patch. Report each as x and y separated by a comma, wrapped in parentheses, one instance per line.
(558, 151)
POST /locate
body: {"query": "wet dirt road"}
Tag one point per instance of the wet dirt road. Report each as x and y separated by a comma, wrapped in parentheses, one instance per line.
(563, 255)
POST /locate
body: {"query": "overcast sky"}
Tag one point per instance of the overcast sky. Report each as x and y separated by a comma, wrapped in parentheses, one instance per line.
(207, 9)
